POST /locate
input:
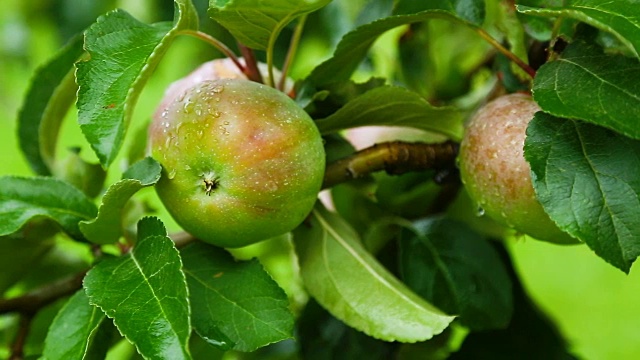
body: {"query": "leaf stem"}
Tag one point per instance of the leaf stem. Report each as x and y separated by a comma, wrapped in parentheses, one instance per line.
(224, 49)
(293, 48)
(504, 51)
(395, 157)
(251, 64)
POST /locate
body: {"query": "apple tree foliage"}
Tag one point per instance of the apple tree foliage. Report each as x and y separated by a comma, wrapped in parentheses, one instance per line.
(396, 265)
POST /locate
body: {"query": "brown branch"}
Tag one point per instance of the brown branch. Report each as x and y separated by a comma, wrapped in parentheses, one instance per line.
(394, 157)
(33, 301)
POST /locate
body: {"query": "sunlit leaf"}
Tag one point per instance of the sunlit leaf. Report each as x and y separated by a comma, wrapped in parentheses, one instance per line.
(588, 180)
(236, 304)
(589, 85)
(620, 17)
(349, 282)
(394, 106)
(257, 23)
(23, 199)
(106, 228)
(145, 292)
(73, 329)
(48, 99)
(123, 53)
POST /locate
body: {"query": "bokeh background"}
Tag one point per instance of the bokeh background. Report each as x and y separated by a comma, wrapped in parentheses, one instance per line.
(596, 306)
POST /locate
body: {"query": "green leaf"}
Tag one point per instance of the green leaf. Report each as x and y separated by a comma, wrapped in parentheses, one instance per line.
(469, 10)
(350, 283)
(517, 340)
(49, 97)
(145, 292)
(588, 85)
(457, 270)
(123, 54)
(88, 177)
(394, 106)
(257, 23)
(620, 17)
(236, 305)
(354, 46)
(323, 337)
(588, 181)
(106, 228)
(73, 329)
(23, 199)
(20, 252)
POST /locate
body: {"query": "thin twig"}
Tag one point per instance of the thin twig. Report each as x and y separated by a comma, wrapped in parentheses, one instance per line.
(224, 49)
(17, 347)
(504, 51)
(293, 48)
(395, 157)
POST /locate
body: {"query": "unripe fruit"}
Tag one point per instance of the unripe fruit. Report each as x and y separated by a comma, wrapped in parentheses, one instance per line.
(241, 161)
(495, 172)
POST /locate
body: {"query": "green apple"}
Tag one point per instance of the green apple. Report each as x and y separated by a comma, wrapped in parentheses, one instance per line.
(242, 162)
(495, 172)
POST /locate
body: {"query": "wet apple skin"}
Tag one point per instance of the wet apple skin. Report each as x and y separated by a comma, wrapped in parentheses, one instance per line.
(241, 161)
(495, 172)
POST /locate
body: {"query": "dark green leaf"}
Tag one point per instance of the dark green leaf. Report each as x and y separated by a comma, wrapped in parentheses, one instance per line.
(23, 199)
(323, 337)
(257, 23)
(341, 275)
(620, 17)
(49, 97)
(123, 53)
(588, 180)
(106, 228)
(21, 251)
(354, 46)
(531, 335)
(236, 305)
(145, 292)
(394, 106)
(72, 329)
(457, 270)
(588, 85)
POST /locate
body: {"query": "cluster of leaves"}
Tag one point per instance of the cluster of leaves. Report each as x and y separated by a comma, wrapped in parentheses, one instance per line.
(396, 266)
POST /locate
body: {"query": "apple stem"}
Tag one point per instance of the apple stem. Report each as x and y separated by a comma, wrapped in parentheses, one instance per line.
(504, 51)
(251, 69)
(224, 49)
(291, 52)
(395, 157)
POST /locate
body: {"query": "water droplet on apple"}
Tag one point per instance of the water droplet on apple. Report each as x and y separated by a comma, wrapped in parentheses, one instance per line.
(218, 89)
(187, 167)
(480, 211)
(172, 174)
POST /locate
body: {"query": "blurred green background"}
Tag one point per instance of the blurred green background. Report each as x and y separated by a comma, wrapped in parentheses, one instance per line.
(596, 306)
